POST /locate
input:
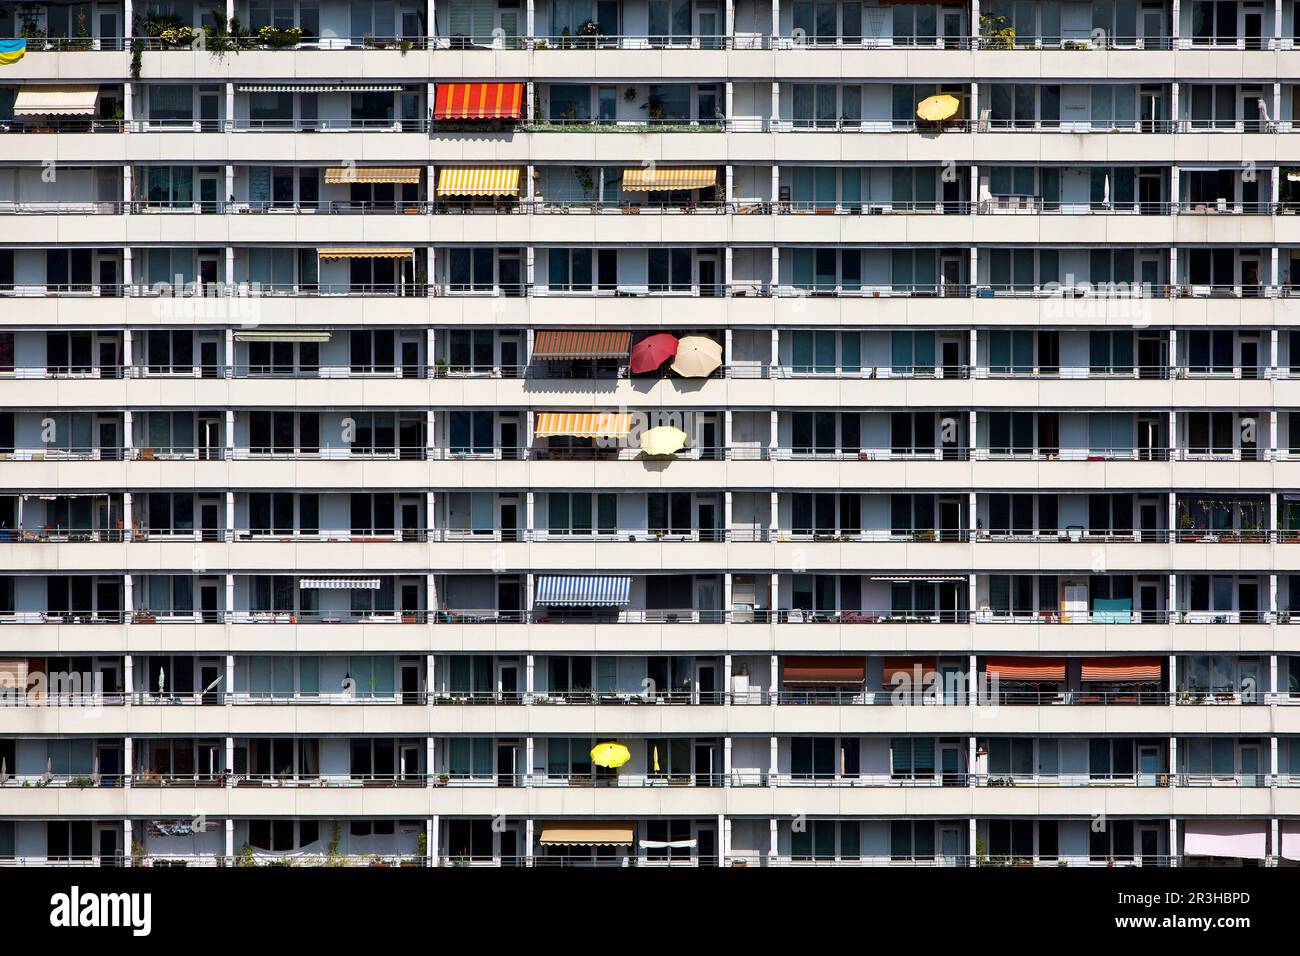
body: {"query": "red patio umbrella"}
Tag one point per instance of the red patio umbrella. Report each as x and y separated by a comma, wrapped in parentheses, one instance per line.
(650, 353)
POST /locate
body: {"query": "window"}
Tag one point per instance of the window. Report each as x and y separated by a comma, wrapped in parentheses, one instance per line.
(911, 758)
(168, 433)
(471, 269)
(573, 513)
(173, 103)
(568, 757)
(372, 350)
(283, 433)
(471, 432)
(911, 840)
(825, 433)
(470, 758)
(1210, 351)
(1110, 353)
(1209, 433)
(1110, 758)
(68, 269)
(569, 270)
(170, 351)
(826, 271)
(670, 270)
(1025, 106)
(68, 352)
(1011, 839)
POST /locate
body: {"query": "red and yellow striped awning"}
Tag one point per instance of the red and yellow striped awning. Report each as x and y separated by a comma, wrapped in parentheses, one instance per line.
(367, 252)
(580, 344)
(1122, 670)
(1027, 668)
(478, 181)
(658, 178)
(582, 424)
(344, 175)
(479, 101)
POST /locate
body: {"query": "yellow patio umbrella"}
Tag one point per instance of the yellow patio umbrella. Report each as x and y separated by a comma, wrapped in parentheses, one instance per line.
(610, 754)
(938, 107)
(656, 767)
(697, 356)
(664, 440)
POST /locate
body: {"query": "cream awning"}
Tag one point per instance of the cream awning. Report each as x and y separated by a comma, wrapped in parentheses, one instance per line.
(583, 424)
(368, 252)
(658, 178)
(56, 101)
(478, 181)
(587, 833)
(281, 335)
(345, 175)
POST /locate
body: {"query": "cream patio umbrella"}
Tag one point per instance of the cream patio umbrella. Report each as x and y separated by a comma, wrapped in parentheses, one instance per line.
(697, 357)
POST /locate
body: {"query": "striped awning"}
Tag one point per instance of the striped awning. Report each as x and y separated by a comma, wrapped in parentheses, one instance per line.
(478, 181)
(580, 344)
(1122, 670)
(1027, 668)
(898, 671)
(345, 175)
(823, 670)
(658, 178)
(368, 252)
(586, 833)
(479, 101)
(583, 424)
(56, 101)
(320, 87)
(339, 584)
(582, 590)
(281, 335)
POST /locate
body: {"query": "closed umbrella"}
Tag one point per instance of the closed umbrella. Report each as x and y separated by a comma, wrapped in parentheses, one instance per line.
(697, 357)
(938, 107)
(664, 440)
(648, 354)
(610, 754)
(162, 681)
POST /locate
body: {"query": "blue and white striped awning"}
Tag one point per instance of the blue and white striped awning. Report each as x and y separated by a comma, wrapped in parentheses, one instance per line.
(582, 590)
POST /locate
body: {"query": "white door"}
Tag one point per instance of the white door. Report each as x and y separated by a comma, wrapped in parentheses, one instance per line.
(952, 846)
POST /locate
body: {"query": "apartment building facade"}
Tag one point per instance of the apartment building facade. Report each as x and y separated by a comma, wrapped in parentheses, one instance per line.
(872, 419)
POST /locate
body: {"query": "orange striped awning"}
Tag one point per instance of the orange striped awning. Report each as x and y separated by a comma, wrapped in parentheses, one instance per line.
(367, 252)
(1122, 670)
(823, 670)
(345, 175)
(478, 181)
(657, 178)
(580, 344)
(894, 668)
(479, 101)
(583, 424)
(1027, 668)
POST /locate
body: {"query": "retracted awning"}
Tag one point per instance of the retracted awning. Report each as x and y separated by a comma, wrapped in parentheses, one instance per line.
(587, 833)
(921, 578)
(320, 87)
(281, 335)
(1122, 670)
(583, 424)
(365, 252)
(660, 178)
(824, 670)
(898, 670)
(1027, 668)
(667, 844)
(479, 101)
(346, 175)
(339, 584)
(478, 181)
(56, 101)
(583, 590)
(580, 344)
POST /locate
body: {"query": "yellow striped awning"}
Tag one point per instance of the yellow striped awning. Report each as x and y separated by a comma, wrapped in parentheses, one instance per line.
(344, 175)
(478, 181)
(367, 252)
(583, 424)
(655, 178)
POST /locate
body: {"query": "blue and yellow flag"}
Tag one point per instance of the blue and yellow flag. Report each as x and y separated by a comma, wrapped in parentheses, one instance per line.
(11, 51)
